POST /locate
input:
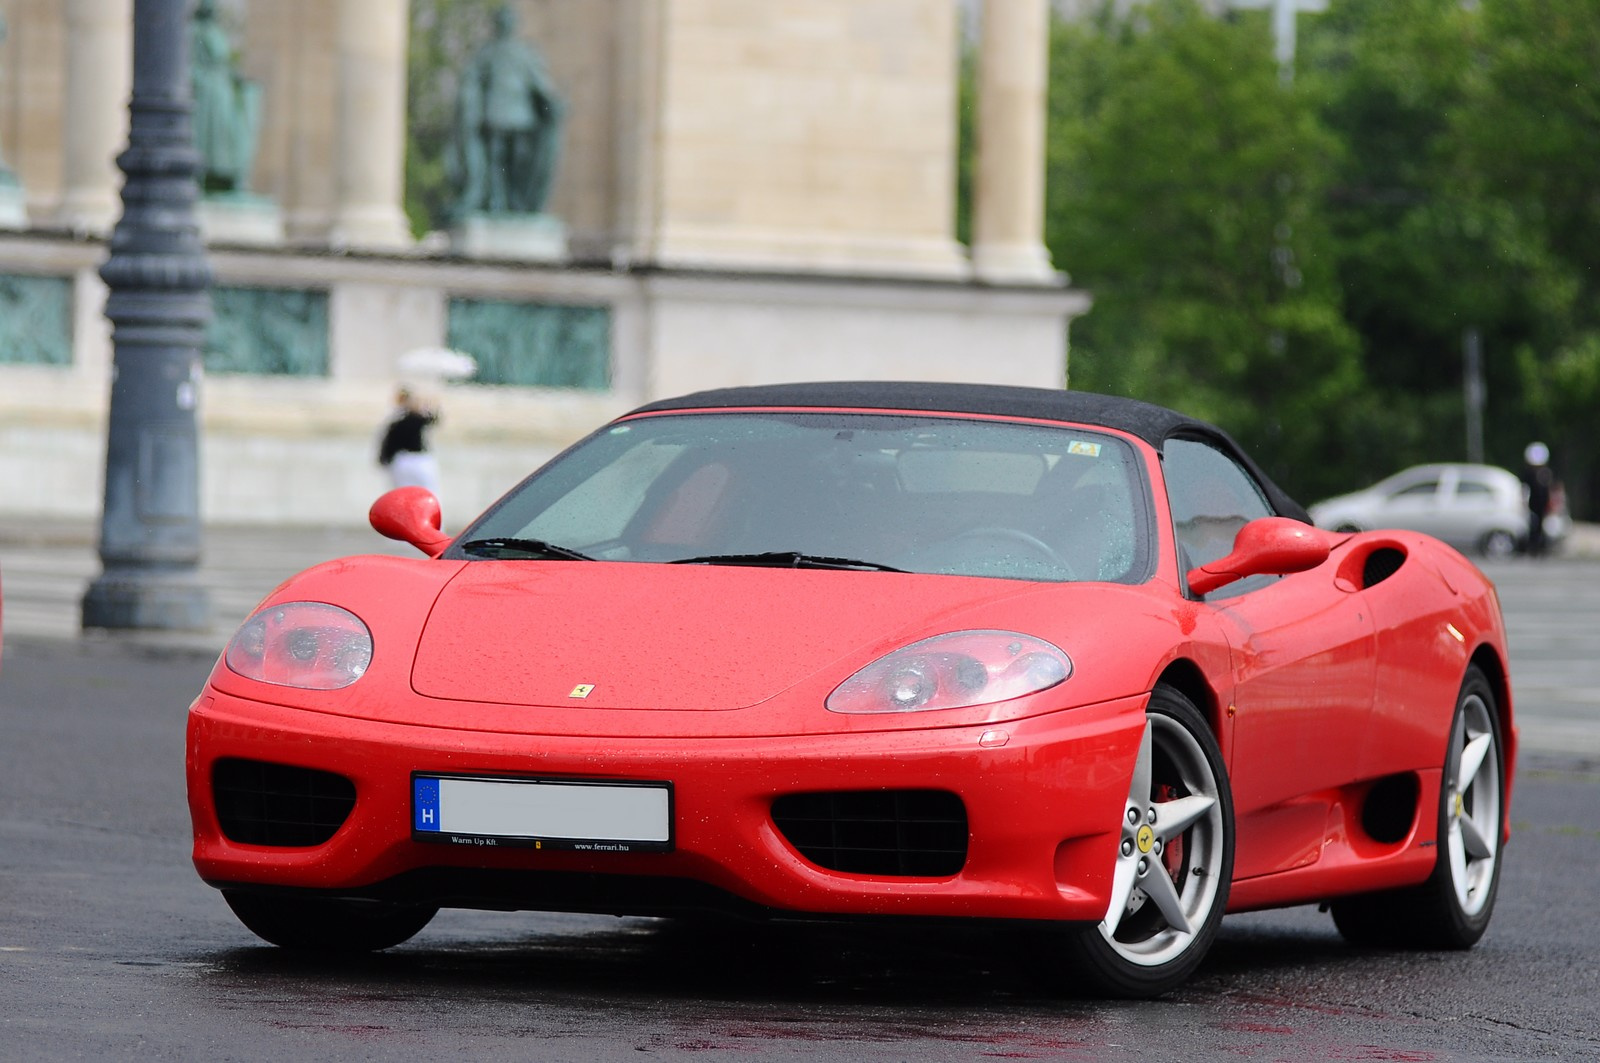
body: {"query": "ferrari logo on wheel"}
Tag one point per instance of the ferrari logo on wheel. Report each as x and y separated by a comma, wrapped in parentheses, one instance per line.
(1146, 838)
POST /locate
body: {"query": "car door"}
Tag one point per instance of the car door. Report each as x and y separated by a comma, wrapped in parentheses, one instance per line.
(1417, 504)
(1303, 668)
(1475, 508)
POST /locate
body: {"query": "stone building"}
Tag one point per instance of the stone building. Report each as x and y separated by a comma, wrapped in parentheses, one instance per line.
(751, 192)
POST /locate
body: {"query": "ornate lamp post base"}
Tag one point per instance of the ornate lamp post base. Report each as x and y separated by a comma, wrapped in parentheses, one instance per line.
(142, 598)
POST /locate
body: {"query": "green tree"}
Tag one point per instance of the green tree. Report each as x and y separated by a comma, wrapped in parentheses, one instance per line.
(1424, 252)
(1185, 187)
(1529, 135)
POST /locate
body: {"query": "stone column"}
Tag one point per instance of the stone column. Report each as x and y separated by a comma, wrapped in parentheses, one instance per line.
(371, 125)
(1008, 203)
(99, 79)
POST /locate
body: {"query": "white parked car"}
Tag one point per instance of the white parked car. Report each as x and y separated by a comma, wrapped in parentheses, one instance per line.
(1478, 508)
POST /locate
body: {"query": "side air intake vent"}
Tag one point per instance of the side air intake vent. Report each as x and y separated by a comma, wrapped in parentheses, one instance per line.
(279, 805)
(912, 833)
(1381, 564)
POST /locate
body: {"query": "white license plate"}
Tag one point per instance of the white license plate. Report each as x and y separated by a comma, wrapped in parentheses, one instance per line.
(543, 813)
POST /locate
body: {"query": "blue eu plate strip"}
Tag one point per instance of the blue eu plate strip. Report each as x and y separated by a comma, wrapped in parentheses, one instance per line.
(425, 804)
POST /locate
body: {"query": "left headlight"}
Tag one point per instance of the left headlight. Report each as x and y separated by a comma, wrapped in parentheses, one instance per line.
(953, 671)
(310, 645)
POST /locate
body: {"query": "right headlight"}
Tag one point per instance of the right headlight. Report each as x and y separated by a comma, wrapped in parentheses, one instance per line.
(310, 645)
(953, 671)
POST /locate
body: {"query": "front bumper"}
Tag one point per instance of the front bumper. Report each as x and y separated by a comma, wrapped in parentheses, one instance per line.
(1043, 812)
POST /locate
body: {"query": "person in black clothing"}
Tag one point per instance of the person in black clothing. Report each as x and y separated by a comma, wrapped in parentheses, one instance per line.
(1539, 480)
(404, 450)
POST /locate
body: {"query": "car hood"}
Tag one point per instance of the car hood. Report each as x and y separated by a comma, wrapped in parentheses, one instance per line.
(693, 652)
(668, 637)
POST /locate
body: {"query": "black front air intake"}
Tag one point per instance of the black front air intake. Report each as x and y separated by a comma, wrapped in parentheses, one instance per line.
(904, 833)
(276, 804)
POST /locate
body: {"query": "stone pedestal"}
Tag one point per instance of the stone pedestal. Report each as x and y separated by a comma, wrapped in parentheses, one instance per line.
(240, 218)
(323, 339)
(510, 237)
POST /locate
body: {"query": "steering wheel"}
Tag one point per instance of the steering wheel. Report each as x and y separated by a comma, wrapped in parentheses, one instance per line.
(1015, 535)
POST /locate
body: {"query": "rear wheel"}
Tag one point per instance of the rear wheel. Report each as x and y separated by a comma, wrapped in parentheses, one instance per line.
(321, 924)
(1451, 910)
(1174, 861)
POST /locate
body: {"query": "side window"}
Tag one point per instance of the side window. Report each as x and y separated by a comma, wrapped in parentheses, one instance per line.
(1211, 497)
(1423, 491)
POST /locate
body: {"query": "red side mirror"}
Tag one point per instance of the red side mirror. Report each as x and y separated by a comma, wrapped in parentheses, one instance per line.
(1273, 546)
(411, 515)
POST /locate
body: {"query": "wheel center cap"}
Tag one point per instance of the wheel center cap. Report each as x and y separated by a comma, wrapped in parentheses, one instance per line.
(1145, 839)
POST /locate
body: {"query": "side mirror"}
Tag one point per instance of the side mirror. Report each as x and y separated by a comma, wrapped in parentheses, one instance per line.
(1273, 546)
(412, 515)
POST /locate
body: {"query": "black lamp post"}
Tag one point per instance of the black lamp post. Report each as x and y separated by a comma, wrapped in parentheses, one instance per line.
(159, 303)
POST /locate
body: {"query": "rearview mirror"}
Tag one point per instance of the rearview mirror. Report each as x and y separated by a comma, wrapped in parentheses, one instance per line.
(1274, 546)
(411, 515)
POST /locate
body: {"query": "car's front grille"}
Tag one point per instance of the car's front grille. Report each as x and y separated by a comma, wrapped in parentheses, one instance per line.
(919, 833)
(276, 804)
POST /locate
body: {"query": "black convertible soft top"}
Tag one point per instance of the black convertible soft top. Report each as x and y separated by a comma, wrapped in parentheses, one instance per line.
(1147, 421)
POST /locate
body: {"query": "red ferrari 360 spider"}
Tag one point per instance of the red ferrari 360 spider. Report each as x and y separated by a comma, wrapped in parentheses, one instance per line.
(900, 650)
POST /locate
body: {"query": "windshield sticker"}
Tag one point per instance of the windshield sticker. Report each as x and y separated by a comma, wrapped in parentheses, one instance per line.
(1083, 448)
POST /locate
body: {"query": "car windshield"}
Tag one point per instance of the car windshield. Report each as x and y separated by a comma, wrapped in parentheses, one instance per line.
(869, 492)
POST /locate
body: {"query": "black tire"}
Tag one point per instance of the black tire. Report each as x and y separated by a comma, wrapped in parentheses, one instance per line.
(1451, 910)
(321, 924)
(1177, 836)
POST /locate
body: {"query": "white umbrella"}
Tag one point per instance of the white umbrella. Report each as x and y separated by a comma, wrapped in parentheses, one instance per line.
(436, 363)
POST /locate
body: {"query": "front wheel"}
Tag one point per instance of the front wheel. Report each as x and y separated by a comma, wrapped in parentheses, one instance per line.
(1174, 860)
(1451, 910)
(321, 924)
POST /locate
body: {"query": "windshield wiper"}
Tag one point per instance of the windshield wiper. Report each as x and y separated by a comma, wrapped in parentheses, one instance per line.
(787, 559)
(521, 549)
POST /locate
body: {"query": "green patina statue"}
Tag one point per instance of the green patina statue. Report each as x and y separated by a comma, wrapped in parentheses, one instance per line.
(508, 127)
(227, 106)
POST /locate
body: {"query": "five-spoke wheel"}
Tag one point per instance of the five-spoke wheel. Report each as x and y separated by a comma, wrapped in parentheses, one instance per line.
(1451, 910)
(1174, 860)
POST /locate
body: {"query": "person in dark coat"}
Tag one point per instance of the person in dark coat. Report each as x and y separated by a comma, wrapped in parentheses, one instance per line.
(1539, 482)
(404, 450)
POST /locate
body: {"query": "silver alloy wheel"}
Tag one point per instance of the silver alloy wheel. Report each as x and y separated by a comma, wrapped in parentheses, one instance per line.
(1472, 833)
(1173, 839)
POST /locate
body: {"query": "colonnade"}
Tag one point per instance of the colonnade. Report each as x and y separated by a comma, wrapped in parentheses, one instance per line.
(369, 114)
(369, 56)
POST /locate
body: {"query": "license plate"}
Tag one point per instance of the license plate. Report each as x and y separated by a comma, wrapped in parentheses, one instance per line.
(591, 816)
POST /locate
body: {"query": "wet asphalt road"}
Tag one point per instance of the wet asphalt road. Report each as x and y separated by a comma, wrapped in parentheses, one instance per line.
(110, 947)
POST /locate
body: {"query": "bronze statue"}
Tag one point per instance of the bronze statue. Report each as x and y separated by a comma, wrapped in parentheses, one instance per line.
(508, 127)
(227, 107)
